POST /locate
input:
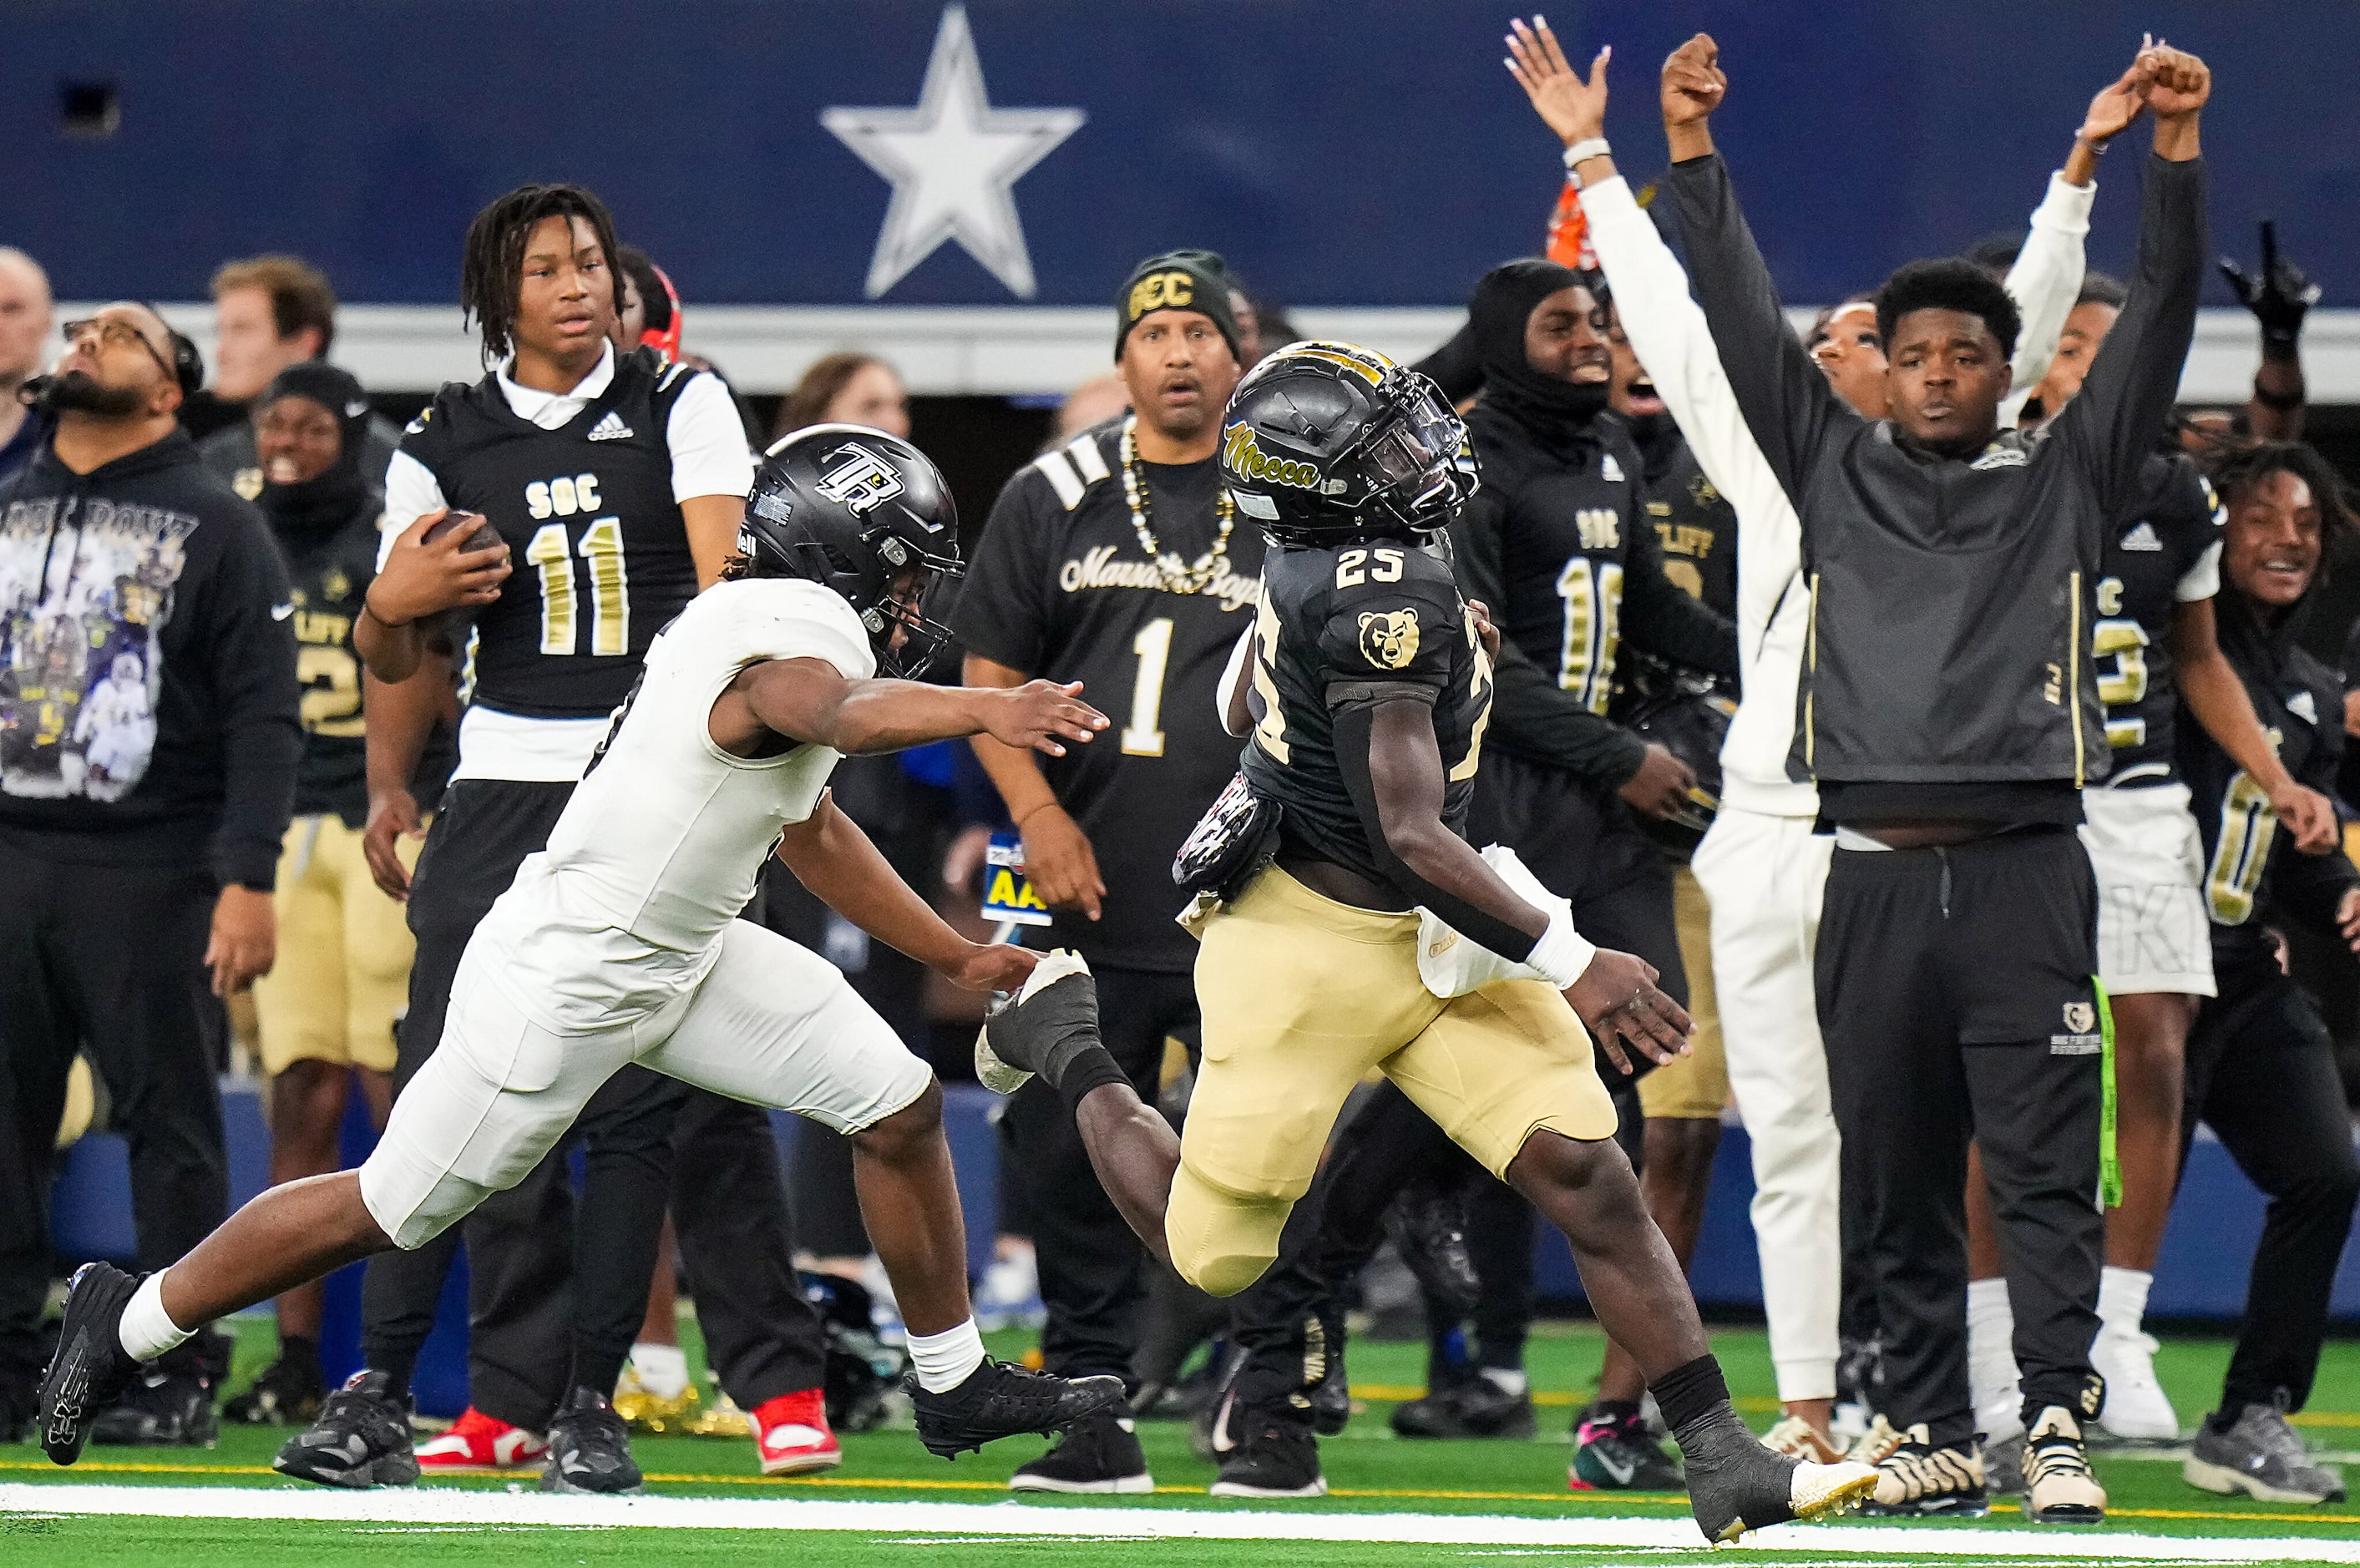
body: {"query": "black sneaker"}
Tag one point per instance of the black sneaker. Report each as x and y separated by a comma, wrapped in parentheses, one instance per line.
(1427, 1225)
(589, 1449)
(1619, 1454)
(362, 1438)
(1736, 1485)
(1272, 1454)
(1097, 1453)
(90, 1368)
(1477, 1408)
(291, 1392)
(1000, 1400)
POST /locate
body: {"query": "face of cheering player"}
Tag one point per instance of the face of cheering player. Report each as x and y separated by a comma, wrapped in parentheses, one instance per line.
(295, 439)
(565, 295)
(1180, 373)
(2270, 549)
(1565, 337)
(1844, 345)
(117, 365)
(1630, 393)
(873, 397)
(1946, 378)
(2086, 326)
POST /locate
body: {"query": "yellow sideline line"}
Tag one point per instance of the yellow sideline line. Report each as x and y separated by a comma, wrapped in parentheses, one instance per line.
(914, 1484)
(1400, 1393)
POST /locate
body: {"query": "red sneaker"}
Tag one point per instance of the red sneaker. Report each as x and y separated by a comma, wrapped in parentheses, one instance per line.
(478, 1442)
(791, 1433)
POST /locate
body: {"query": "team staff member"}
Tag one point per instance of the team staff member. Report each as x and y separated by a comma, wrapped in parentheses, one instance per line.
(2154, 647)
(24, 332)
(616, 483)
(327, 1010)
(2261, 1065)
(271, 312)
(1761, 865)
(1952, 764)
(148, 745)
(1116, 560)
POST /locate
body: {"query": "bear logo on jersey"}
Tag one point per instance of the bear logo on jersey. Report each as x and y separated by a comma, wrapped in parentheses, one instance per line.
(861, 483)
(1389, 639)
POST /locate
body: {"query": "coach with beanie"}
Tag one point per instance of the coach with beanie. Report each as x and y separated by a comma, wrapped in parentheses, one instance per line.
(148, 743)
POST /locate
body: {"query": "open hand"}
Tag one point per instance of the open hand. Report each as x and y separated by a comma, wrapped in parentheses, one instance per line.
(1574, 109)
(1693, 83)
(990, 966)
(2279, 295)
(2119, 103)
(1617, 1001)
(1038, 712)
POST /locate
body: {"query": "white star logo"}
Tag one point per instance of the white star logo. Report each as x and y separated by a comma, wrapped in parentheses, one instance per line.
(953, 161)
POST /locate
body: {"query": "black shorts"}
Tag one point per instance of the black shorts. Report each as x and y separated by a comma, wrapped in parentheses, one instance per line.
(1999, 937)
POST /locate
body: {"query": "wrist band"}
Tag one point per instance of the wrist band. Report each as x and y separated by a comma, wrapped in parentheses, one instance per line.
(1588, 148)
(2097, 149)
(371, 611)
(1036, 811)
(1562, 953)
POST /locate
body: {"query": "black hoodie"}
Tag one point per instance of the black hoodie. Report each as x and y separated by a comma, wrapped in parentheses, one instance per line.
(148, 695)
(2253, 874)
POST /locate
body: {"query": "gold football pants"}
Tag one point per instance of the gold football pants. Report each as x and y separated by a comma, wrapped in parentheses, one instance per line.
(1696, 1087)
(343, 973)
(1301, 997)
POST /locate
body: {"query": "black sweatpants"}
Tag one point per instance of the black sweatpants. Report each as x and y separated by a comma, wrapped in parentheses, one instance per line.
(107, 959)
(1091, 1277)
(1956, 997)
(2261, 1074)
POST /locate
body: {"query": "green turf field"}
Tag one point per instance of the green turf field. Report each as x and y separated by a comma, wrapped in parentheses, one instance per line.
(1394, 1501)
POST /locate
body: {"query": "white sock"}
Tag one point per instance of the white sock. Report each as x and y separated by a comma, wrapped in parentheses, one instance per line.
(147, 1329)
(945, 1360)
(1990, 1332)
(662, 1369)
(2122, 1299)
(1507, 1379)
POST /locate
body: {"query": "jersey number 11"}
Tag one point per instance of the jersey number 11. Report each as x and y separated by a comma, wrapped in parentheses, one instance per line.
(551, 554)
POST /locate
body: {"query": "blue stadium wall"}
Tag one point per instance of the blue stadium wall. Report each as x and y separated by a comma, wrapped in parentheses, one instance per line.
(1365, 154)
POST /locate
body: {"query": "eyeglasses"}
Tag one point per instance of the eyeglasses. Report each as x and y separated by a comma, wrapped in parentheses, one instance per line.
(114, 331)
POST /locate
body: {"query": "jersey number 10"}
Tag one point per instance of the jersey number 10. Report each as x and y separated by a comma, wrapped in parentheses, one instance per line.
(551, 554)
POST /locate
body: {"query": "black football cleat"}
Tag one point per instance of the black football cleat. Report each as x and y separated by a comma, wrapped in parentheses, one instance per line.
(999, 1399)
(362, 1438)
(91, 1367)
(1272, 1455)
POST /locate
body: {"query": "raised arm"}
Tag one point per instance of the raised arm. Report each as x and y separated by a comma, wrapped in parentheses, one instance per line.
(1788, 404)
(809, 699)
(2279, 295)
(2120, 412)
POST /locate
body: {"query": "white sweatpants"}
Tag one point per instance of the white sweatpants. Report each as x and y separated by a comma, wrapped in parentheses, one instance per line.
(773, 1024)
(1765, 877)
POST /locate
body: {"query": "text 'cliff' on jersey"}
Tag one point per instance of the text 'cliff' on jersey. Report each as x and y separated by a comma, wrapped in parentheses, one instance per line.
(1337, 626)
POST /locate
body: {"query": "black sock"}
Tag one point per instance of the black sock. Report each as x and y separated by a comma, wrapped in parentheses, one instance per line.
(1075, 1067)
(300, 1350)
(1617, 1409)
(1691, 1392)
(398, 1362)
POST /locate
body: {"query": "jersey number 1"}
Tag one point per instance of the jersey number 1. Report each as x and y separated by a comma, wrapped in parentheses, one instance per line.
(1141, 736)
(551, 554)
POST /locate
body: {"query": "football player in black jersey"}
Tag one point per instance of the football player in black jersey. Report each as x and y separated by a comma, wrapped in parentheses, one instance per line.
(328, 1010)
(2261, 1065)
(615, 483)
(1371, 692)
(2154, 647)
(1116, 560)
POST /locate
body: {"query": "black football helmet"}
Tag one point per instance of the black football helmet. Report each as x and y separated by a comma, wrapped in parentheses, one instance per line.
(858, 510)
(1325, 443)
(1687, 712)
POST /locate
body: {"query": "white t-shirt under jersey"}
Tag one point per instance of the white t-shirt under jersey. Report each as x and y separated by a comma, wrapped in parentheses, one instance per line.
(658, 849)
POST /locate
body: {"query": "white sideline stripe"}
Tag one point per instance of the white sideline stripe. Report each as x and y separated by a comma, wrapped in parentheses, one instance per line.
(441, 1506)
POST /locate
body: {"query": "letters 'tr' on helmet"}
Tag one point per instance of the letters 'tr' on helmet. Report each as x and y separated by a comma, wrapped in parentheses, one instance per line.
(1325, 442)
(863, 513)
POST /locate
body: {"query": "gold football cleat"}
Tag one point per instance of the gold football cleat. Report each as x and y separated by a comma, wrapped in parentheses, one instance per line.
(720, 1419)
(645, 1410)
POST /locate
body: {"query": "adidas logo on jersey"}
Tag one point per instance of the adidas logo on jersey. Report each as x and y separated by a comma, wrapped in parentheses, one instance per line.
(2304, 706)
(611, 428)
(2142, 537)
(1608, 469)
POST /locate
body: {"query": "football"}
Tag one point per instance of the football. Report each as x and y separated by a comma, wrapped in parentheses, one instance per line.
(446, 631)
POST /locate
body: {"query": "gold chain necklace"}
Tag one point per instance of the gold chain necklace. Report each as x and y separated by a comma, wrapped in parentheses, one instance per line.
(1178, 576)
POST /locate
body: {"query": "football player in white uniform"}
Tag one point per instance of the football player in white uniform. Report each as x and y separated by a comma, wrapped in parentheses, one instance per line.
(620, 944)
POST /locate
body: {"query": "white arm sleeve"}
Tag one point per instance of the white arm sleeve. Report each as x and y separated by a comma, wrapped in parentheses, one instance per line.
(2044, 283)
(411, 492)
(707, 442)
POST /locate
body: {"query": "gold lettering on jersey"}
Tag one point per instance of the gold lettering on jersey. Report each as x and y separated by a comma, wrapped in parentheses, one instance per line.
(1685, 539)
(1243, 456)
(1600, 528)
(562, 497)
(1162, 291)
(1389, 637)
(2053, 688)
(2110, 595)
(1100, 569)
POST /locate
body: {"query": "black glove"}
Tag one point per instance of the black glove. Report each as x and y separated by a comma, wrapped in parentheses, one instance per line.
(2278, 296)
